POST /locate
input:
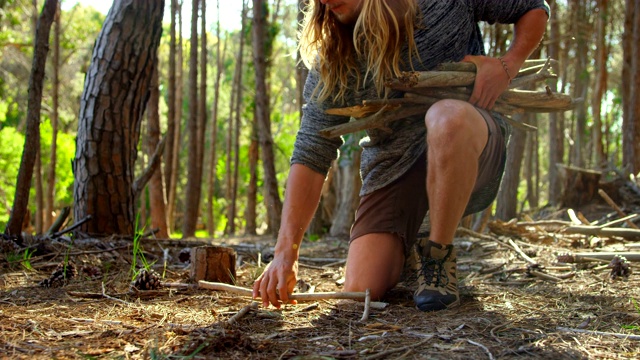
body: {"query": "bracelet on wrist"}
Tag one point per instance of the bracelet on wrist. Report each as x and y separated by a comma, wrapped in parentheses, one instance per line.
(506, 68)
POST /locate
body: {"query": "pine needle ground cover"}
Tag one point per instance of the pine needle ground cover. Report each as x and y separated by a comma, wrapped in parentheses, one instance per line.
(576, 310)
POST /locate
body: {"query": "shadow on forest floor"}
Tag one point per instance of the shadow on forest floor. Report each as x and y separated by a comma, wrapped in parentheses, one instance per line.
(505, 313)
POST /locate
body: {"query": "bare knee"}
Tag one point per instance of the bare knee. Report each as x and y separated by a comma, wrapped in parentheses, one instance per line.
(374, 262)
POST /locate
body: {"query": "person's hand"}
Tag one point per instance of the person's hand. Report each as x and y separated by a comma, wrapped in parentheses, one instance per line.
(491, 80)
(277, 281)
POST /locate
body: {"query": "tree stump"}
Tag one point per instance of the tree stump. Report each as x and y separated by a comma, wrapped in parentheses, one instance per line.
(213, 263)
(580, 186)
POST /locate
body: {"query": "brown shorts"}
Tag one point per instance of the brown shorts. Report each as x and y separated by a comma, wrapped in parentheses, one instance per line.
(400, 207)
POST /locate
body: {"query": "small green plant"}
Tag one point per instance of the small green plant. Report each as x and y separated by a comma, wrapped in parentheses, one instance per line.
(138, 251)
(26, 257)
(23, 258)
(633, 327)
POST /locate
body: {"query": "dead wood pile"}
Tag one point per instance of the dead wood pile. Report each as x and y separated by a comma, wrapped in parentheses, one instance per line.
(454, 81)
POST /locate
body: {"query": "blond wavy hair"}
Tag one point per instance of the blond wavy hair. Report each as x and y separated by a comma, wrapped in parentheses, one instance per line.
(335, 49)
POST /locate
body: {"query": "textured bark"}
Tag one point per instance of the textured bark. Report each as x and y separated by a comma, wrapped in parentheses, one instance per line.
(301, 69)
(272, 196)
(51, 174)
(202, 101)
(112, 104)
(171, 103)
(211, 181)
(631, 87)
(581, 28)
(177, 138)
(252, 190)
(602, 53)
(156, 186)
(230, 226)
(192, 196)
(32, 135)
(555, 131)
(213, 263)
(238, 121)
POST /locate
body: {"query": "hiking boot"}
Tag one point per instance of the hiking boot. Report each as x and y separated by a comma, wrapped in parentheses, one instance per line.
(437, 282)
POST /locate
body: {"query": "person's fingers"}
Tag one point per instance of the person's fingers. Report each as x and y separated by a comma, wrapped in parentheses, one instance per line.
(271, 292)
(263, 291)
(283, 291)
(256, 287)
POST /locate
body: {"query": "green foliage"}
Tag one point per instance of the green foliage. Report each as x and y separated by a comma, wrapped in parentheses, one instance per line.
(637, 307)
(10, 154)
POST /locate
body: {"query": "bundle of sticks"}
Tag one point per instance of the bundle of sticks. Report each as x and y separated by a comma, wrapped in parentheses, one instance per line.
(454, 81)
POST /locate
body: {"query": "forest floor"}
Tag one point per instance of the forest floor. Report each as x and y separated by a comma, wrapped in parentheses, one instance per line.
(505, 312)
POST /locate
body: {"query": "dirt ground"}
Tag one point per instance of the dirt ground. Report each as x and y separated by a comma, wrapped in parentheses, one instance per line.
(506, 312)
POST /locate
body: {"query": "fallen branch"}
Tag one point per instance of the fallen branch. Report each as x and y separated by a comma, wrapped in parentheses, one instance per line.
(629, 234)
(608, 256)
(600, 333)
(241, 313)
(367, 306)
(615, 207)
(72, 227)
(361, 296)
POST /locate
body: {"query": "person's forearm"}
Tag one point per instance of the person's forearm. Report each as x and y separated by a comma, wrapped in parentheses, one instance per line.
(302, 195)
(527, 34)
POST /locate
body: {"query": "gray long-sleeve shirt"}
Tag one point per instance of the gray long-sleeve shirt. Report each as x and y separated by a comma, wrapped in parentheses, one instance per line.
(450, 31)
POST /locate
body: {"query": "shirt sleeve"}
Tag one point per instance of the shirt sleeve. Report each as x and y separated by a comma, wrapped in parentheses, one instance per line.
(310, 148)
(505, 12)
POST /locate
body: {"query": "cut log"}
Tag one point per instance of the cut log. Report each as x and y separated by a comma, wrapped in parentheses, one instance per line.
(580, 186)
(213, 263)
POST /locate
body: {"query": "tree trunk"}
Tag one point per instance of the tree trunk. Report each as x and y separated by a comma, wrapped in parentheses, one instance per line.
(530, 169)
(555, 131)
(602, 53)
(112, 104)
(252, 189)
(581, 78)
(211, 181)
(202, 104)
(32, 135)
(238, 120)
(175, 164)
(631, 87)
(192, 198)
(272, 196)
(507, 207)
(230, 226)
(51, 177)
(156, 188)
(171, 104)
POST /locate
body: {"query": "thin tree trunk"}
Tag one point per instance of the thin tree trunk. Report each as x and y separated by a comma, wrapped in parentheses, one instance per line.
(581, 79)
(175, 164)
(171, 103)
(156, 189)
(230, 226)
(602, 53)
(272, 196)
(211, 224)
(631, 87)
(238, 119)
(349, 183)
(507, 207)
(252, 189)
(51, 178)
(202, 104)
(32, 135)
(192, 200)
(555, 131)
(38, 167)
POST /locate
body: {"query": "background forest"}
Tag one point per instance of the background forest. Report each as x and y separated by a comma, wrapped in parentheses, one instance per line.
(225, 105)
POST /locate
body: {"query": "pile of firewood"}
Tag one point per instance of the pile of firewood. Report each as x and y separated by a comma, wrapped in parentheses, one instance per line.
(454, 81)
